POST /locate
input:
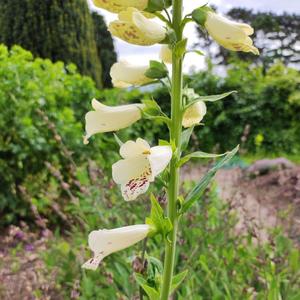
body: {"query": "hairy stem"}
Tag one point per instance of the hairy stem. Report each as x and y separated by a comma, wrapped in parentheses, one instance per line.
(175, 136)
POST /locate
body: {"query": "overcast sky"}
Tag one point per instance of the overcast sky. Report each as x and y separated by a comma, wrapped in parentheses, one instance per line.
(141, 54)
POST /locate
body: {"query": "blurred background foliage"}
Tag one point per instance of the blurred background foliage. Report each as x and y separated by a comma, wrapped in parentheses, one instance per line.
(49, 179)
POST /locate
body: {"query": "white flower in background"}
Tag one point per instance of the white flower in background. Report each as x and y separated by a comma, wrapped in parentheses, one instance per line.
(165, 54)
(116, 6)
(134, 27)
(110, 118)
(104, 242)
(139, 166)
(124, 74)
(229, 34)
(194, 114)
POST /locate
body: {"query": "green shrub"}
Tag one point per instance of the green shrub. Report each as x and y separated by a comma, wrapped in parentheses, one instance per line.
(42, 107)
(268, 104)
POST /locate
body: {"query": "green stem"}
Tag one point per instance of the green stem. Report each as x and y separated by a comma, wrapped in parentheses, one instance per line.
(175, 136)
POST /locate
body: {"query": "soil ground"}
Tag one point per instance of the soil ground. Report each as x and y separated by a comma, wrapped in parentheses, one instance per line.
(263, 202)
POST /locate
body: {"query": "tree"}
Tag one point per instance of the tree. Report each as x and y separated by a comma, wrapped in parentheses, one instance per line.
(55, 29)
(105, 48)
(276, 36)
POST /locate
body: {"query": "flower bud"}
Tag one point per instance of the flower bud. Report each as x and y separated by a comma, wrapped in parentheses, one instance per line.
(194, 114)
(165, 54)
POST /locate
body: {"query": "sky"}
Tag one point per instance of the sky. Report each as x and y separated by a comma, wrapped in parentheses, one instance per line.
(141, 55)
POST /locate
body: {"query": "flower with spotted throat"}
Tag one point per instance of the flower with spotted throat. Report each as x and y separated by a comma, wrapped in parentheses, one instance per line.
(124, 74)
(104, 242)
(135, 28)
(116, 6)
(139, 166)
(110, 118)
(231, 35)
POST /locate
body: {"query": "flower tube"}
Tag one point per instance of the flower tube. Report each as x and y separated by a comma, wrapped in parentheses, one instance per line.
(125, 74)
(139, 167)
(103, 242)
(135, 28)
(108, 118)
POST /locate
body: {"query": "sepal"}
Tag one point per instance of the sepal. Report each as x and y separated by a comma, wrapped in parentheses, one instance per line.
(157, 70)
(199, 15)
(157, 220)
(158, 5)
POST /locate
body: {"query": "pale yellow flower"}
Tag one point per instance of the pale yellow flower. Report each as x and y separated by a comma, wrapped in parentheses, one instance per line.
(116, 6)
(110, 118)
(194, 114)
(135, 28)
(104, 242)
(229, 34)
(124, 74)
(165, 54)
(139, 166)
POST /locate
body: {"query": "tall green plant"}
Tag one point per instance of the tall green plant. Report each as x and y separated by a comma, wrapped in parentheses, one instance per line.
(142, 164)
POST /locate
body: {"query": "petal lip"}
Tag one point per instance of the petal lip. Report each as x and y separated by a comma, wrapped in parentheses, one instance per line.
(125, 170)
(159, 159)
(131, 148)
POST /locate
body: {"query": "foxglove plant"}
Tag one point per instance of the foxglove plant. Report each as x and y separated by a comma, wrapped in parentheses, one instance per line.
(141, 164)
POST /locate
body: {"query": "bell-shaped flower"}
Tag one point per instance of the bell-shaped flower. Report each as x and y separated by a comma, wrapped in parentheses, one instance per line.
(194, 114)
(229, 34)
(134, 27)
(116, 6)
(165, 54)
(139, 166)
(125, 74)
(110, 118)
(104, 242)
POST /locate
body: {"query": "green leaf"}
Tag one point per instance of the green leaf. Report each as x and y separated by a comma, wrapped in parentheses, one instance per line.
(177, 280)
(198, 154)
(157, 220)
(157, 70)
(119, 142)
(150, 291)
(211, 98)
(196, 51)
(199, 189)
(185, 137)
(180, 48)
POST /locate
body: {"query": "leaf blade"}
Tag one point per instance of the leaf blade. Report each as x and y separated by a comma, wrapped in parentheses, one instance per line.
(199, 189)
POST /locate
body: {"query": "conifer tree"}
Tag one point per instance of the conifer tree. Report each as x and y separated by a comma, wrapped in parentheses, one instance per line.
(55, 29)
(105, 48)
